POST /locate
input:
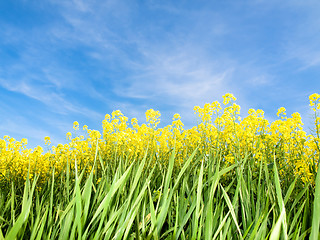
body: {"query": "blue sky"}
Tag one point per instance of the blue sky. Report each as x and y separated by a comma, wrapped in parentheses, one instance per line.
(62, 61)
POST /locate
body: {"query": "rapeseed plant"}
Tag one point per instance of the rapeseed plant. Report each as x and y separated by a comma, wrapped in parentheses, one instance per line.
(228, 177)
(219, 128)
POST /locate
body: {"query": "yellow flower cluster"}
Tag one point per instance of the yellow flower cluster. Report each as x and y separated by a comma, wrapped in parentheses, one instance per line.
(220, 128)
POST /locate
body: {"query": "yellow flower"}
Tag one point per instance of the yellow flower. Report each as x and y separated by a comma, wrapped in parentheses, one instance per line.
(47, 140)
(228, 97)
(153, 117)
(221, 128)
(282, 112)
(68, 136)
(314, 99)
(24, 141)
(75, 125)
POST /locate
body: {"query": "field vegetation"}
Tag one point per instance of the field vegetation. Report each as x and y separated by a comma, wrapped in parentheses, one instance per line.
(228, 177)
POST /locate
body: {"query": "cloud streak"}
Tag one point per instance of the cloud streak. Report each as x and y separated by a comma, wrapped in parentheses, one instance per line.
(93, 57)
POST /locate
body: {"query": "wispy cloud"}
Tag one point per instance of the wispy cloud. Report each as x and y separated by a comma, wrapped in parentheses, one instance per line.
(93, 56)
(180, 79)
(163, 72)
(53, 100)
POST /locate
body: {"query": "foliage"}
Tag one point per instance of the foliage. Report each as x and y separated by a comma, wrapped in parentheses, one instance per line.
(225, 178)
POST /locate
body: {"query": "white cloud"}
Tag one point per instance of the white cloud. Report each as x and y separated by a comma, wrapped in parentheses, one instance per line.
(53, 100)
(176, 70)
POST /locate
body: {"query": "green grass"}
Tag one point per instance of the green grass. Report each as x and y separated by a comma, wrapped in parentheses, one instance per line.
(203, 199)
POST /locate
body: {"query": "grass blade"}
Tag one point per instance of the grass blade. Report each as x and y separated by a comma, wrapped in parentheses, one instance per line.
(316, 209)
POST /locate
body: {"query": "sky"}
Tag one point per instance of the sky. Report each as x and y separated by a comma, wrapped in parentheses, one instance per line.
(64, 61)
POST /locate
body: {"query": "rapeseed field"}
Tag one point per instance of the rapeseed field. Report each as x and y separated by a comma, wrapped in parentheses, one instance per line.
(228, 177)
